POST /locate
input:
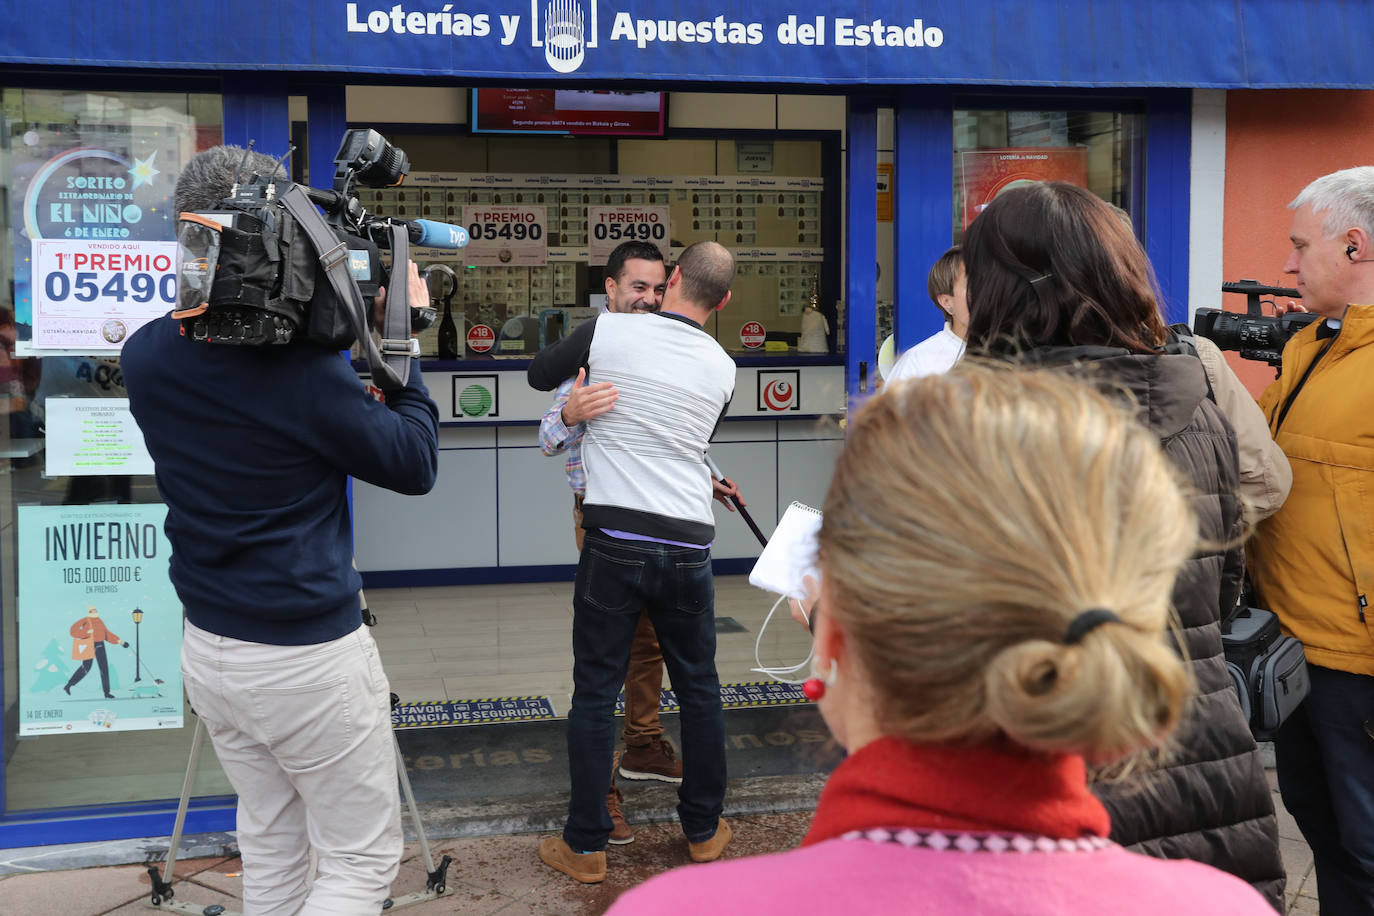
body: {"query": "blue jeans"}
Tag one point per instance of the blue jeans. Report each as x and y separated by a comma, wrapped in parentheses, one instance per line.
(615, 580)
(1325, 755)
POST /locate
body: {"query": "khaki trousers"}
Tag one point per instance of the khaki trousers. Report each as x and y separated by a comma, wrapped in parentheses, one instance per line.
(644, 677)
(304, 736)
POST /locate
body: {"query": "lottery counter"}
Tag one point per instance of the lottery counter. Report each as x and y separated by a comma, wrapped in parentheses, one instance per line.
(502, 510)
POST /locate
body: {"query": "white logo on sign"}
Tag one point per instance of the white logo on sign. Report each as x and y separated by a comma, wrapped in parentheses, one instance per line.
(564, 36)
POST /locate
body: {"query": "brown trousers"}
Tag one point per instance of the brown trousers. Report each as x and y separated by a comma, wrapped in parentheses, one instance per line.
(644, 676)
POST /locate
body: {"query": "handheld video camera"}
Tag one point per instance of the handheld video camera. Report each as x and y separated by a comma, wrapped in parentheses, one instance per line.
(1257, 336)
(264, 268)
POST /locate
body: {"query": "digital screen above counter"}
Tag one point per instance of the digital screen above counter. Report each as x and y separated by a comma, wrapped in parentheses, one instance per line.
(579, 112)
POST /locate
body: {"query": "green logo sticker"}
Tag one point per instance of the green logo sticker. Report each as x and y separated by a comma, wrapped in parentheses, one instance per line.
(475, 400)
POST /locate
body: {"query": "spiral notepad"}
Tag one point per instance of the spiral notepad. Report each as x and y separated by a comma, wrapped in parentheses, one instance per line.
(790, 554)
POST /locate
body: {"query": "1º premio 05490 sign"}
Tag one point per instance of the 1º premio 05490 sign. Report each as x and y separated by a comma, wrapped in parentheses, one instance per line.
(608, 227)
(505, 236)
(78, 280)
(90, 294)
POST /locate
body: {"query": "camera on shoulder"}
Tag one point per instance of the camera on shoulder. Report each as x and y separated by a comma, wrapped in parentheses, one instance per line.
(264, 267)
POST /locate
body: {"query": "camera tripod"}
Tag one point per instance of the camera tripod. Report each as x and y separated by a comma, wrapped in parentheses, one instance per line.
(162, 897)
(436, 879)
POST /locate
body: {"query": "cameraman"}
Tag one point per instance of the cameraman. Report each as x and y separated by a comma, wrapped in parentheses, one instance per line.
(1313, 561)
(253, 448)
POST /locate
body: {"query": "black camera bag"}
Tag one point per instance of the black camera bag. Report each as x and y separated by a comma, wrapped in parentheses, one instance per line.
(1268, 668)
(247, 274)
(1248, 634)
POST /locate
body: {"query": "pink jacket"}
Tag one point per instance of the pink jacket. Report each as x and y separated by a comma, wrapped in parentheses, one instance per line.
(858, 875)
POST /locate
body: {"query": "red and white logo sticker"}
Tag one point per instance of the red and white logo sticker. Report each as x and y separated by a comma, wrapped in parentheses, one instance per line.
(778, 394)
(752, 335)
(481, 338)
(779, 390)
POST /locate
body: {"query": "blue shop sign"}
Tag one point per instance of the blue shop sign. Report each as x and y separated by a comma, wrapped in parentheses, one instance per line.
(1197, 43)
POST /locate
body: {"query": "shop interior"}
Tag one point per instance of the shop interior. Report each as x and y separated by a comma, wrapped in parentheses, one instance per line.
(769, 195)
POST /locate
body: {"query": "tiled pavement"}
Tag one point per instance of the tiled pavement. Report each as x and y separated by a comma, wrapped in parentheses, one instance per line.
(500, 874)
(496, 874)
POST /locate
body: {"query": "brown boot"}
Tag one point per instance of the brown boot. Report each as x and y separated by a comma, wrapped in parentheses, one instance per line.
(655, 760)
(587, 867)
(709, 850)
(621, 832)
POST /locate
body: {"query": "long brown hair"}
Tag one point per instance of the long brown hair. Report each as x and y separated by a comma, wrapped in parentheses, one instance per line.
(1050, 264)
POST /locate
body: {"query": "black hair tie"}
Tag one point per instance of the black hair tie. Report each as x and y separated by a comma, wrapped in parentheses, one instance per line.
(1086, 622)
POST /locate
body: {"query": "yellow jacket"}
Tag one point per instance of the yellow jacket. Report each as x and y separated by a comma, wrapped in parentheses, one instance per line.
(1312, 562)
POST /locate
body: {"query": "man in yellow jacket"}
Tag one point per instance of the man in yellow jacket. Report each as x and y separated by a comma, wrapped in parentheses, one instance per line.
(1313, 561)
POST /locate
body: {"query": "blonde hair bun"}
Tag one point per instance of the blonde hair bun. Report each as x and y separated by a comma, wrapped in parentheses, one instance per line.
(971, 518)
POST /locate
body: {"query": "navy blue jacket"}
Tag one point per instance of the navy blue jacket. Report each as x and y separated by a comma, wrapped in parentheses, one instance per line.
(253, 447)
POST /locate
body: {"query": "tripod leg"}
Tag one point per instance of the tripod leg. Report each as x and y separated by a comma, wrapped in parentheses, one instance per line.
(162, 886)
(436, 876)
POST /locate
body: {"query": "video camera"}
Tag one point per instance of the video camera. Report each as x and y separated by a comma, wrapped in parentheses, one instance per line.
(1257, 336)
(264, 267)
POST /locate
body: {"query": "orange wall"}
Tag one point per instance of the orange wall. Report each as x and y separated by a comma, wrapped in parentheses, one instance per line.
(1276, 142)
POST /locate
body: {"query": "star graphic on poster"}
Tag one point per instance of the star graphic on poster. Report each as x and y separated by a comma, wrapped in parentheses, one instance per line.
(143, 171)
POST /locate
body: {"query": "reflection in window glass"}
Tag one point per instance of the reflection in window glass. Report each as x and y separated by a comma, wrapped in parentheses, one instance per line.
(996, 150)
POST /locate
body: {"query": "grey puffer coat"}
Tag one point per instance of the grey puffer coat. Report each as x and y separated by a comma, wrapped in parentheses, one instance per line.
(1210, 801)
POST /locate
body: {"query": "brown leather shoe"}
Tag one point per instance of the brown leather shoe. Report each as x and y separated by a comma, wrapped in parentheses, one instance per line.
(621, 832)
(587, 867)
(655, 760)
(710, 849)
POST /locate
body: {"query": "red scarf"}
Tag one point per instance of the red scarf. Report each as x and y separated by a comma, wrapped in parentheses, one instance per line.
(995, 788)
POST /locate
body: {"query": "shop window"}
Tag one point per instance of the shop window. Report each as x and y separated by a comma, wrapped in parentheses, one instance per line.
(999, 149)
(529, 288)
(87, 173)
(995, 149)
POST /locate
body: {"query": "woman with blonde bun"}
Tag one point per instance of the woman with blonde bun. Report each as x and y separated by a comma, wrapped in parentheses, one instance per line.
(997, 553)
(1056, 279)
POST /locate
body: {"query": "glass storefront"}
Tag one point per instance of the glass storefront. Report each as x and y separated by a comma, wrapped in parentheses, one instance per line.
(93, 710)
(93, 713)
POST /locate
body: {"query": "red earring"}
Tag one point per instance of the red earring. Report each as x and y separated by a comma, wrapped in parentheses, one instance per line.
(813, 688)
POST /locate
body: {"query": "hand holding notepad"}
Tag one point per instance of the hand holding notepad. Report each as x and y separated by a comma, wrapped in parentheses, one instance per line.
(791, 553)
